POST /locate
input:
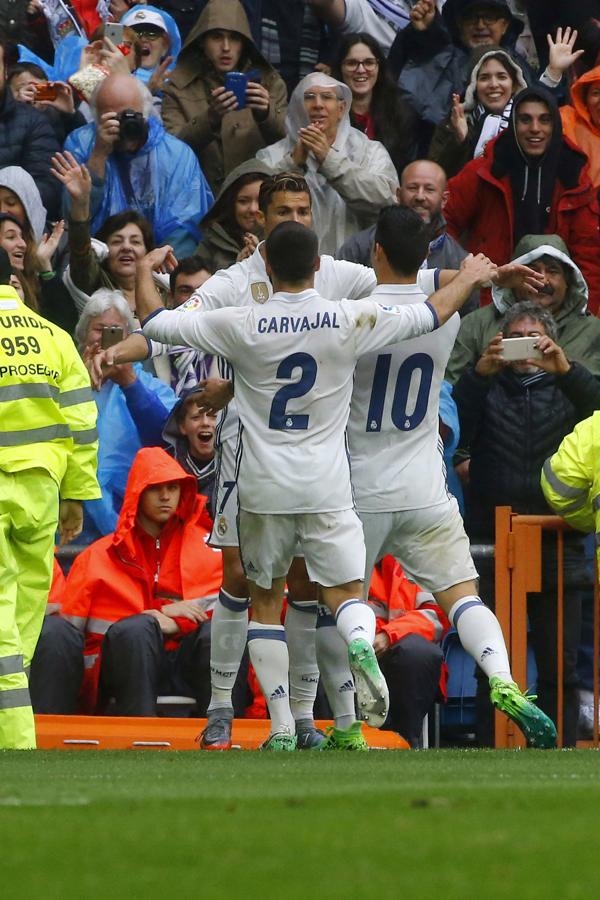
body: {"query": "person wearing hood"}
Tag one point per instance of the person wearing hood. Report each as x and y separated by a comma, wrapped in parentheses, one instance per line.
(530, 180)
(230, 227)
(224, 128)
(431, 57)
(135, 164)
(350, 176)
(565, 294)
(189, 433)
(581, 120)
(494, 80)
(160, 43)
(26, 137)
(42, 287)
(142, 595)
(513, 415)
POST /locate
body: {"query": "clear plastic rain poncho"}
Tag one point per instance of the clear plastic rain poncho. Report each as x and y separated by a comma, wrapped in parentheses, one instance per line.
(356, 179)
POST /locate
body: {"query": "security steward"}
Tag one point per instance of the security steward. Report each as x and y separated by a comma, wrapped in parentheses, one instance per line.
(48, 461)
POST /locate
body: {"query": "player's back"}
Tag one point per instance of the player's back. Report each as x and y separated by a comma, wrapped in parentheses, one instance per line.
(393, 433)
(293, 382)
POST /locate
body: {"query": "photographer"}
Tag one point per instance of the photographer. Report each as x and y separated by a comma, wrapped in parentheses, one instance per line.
(513, 415)
(136, 165)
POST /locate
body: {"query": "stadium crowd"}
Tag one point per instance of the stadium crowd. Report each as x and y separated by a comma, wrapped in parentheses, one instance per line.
(444, 156)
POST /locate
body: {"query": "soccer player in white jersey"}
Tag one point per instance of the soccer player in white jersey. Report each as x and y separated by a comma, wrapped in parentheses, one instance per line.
(283, 197)
(294, 480)
(398, 476)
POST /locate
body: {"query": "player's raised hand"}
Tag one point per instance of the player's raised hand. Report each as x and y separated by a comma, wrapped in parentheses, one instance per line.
(161, 259)
(216, 394)
(516, 275)
(491, 360)
(479, 270)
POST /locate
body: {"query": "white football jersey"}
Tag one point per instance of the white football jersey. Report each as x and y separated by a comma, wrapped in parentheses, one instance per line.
(393, 430)
(246, 283)
(293, 364)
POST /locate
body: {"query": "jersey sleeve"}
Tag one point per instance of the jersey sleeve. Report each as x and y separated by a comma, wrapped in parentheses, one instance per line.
(355, 281)
(377, 326)
(217, 292)
(428, 281)
(211, 331)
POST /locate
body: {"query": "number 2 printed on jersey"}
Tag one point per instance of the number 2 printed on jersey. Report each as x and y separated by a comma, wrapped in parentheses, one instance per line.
(279, 418)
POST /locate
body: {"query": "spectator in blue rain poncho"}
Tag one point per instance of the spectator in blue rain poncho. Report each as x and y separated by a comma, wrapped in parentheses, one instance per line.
(160, 43)
(135, 164)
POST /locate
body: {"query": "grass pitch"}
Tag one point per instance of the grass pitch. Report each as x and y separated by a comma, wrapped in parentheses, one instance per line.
(439, 824)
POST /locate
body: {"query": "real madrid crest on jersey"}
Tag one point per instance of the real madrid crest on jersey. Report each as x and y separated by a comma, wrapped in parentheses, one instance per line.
(260, 291)
(222, 526)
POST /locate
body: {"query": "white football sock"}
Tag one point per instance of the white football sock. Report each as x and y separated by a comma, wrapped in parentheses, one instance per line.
(355, 619)
(269, 656)
(332, 657)
(300, 622)
(228, 631)
(481, 636)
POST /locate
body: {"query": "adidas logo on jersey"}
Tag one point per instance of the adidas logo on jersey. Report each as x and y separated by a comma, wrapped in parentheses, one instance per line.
(279, 693)
(347, 686)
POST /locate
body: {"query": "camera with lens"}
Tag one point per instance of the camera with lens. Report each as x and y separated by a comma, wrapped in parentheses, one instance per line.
(132, 126)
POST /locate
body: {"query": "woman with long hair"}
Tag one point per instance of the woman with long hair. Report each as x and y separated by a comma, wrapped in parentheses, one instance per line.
(377, 108)
(230, 227)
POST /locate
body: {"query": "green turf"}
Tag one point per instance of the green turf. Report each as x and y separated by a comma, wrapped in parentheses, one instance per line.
(440, 824)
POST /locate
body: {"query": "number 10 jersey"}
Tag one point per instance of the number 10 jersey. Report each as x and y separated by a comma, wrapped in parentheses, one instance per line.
(393, 430)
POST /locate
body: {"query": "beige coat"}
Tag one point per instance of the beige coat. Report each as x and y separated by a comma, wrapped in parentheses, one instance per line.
(186, 98)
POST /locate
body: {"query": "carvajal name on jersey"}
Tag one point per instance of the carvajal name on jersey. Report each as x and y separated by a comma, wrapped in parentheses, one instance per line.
(292, 325)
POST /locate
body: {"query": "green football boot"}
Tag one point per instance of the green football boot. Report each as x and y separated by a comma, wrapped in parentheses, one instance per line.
(372, 695)
(279, 741)
(538, 728)
(350, 738)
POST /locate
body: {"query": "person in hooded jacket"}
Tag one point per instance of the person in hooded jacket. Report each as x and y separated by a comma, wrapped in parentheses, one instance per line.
(199, 108)
(581, 120)
(230, 227)
(530, 180)
(142, 595)
(431, 57)
(565, 293)
(350, 176)
(494, 80)
(160, 43)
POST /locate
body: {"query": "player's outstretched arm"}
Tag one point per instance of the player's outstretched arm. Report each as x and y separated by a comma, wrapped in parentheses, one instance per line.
(133, 349)
(475, 272)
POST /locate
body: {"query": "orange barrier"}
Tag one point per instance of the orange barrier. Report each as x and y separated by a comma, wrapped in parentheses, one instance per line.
(518, 556)
(125, 733)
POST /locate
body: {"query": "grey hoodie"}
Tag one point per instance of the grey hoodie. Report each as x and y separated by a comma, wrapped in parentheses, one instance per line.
(22, 184)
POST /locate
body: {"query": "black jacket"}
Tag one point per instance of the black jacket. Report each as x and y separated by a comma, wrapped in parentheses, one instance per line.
(511, 425)
(27, 139)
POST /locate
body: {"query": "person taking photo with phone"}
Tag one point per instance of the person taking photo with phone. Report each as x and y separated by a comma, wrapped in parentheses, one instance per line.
(513, 416)
(223, 98)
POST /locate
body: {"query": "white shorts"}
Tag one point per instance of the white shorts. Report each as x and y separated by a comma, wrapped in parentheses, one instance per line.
(430, 544)
(224, 531)
(332, 544)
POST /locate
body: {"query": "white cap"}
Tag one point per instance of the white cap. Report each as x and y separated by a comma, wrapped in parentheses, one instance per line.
(144, 17)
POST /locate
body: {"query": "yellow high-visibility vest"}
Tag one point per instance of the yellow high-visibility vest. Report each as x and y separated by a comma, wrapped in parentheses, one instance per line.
(47, 412)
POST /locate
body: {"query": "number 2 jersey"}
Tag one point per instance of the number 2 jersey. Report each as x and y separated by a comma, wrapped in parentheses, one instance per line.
(393, 429)
(293, 362)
